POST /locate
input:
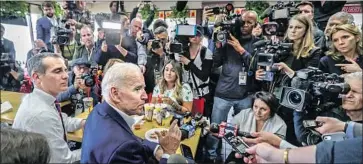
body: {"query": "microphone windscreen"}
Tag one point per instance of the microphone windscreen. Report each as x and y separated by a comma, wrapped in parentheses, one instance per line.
(180, 5)
(177, 158)
(266, 13)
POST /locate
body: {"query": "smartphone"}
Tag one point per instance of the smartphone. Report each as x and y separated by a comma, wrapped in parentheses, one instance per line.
(237, 144)
(338, 136)
(186, 151)
(311, 124)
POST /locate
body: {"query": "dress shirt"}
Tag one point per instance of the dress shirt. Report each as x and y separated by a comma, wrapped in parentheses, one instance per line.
(37, 113)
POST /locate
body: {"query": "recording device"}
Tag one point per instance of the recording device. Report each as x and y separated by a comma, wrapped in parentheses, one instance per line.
(155, 44)
(186, 151)
(112, 32)
(311, 124)
(188, 129)
(337, 136)
(224, 128)
(182, 33)
(270, 53)
(62, 36)
(91, 78)
(237, 144)
(229, 25)
(176, 48)
(315, 90)
(280, 13)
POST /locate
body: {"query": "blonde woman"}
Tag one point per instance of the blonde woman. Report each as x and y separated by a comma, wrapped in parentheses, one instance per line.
(304, 53)
(346, 52)
(171, 90)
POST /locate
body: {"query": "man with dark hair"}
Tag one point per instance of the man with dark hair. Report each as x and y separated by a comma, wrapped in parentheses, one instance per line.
(7, 46)
(39, 111)
(23, 147)
(307, 8)
(46, 26)
(324, 9)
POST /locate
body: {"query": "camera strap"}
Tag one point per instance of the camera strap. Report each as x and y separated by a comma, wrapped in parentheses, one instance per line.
(195, 83)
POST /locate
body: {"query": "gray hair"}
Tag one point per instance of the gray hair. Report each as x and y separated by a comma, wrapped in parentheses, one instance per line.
(160, 30)
(116, 76)
(344, 16)
(353, 76)
(35, 63)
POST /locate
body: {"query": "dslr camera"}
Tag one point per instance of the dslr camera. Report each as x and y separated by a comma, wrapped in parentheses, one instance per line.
(91, 77)
(315, 90)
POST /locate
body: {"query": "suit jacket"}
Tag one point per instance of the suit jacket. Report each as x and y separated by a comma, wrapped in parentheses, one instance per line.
(7, 46)
(108, 139)
(43, 29)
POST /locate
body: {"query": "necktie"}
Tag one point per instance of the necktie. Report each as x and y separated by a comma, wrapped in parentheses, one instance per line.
(57, 105)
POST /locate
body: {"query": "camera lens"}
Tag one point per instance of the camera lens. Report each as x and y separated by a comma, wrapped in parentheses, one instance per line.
(62, 40)
(221, 37)
(294, 98)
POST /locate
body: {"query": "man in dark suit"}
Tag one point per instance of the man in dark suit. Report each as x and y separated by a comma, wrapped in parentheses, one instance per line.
(46, 25)
(7, 46)
(108, 136)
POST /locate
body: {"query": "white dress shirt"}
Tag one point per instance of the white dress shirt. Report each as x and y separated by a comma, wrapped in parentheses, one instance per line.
(37, 113)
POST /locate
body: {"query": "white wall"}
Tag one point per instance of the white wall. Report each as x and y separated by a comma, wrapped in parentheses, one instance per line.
(20, 36)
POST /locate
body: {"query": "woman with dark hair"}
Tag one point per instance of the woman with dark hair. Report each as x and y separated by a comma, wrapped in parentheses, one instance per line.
(257, 31)
(261, 117)
(171, 90)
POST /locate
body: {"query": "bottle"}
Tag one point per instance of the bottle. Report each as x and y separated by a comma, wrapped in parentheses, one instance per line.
(158, 114)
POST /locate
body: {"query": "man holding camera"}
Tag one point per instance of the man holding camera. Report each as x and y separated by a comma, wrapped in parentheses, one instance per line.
(233, 85)
(46, 26)
(81, 84)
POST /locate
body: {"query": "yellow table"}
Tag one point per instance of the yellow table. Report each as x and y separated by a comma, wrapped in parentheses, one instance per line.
(191, 142)
(15, 100)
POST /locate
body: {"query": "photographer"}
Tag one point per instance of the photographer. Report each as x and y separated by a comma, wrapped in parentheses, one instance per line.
(156, 59)
(352, 104)
(197, 63)
(12, 77)
(233, 90)
(7, 46)
(261, 117)
(78, 87)
(346, 54)
(87, 50)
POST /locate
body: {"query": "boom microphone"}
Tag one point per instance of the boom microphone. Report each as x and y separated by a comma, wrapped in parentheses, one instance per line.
(180, 5)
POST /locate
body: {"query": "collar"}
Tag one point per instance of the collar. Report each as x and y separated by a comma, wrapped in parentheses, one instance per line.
(49, 99)
(129, 120)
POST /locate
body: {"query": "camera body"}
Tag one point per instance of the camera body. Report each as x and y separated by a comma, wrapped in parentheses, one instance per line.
(315, 90)
(155, 44)
(281, 13)
(62, 36)
(270, 54)
(226, 27)
(91, 77)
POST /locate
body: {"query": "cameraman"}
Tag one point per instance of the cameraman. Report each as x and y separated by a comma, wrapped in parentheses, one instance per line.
(156, 58)
(232, 89)
(352, 104)
(77, 89)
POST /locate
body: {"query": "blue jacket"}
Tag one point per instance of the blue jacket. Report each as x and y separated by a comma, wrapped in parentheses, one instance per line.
(43, 29)
(108, 139)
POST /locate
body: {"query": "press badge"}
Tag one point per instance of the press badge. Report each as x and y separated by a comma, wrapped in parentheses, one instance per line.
(242, 77)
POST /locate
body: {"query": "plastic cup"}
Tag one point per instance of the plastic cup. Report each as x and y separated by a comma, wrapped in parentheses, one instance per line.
(88, 103)
(149, 111)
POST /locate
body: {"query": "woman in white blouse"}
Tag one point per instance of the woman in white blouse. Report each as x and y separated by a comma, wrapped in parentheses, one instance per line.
(171, 90)
(262, 117)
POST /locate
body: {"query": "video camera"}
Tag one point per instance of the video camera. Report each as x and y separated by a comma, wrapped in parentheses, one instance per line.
(62, 36)
(281, 13)
(269, 53)
(315, 90)
(227, 27)
(182, 33)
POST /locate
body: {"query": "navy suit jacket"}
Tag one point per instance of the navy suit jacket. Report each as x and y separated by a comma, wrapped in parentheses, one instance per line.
(108, 139)
(43, 29)
(7, 46)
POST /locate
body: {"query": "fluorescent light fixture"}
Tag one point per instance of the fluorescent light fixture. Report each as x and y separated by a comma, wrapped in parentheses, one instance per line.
(111, 25)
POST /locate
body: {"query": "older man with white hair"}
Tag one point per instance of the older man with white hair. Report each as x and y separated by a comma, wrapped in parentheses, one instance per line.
(108, 136)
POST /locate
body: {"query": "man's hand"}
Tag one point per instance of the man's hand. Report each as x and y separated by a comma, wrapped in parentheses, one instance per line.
(354, 67)
(139, 36)
(171, 141)
(329, 125)
(71, 22)
(104, 46)
(207, 13)
(260, 74)
(83, 123)
(264, 153)
(184, 60)
(79, 83)
(235, 44)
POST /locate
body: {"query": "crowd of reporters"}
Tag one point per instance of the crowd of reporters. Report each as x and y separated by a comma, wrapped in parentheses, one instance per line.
(224, 73)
